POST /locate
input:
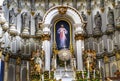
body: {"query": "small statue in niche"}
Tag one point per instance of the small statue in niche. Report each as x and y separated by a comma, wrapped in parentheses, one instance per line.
(88, 4)
(11, 16)
(32, 5)
(83, 16)
(101, 3)
(38, 18)
(25, 19)
(118, 8)
(98, 20)
(19, 3)
(110, 16)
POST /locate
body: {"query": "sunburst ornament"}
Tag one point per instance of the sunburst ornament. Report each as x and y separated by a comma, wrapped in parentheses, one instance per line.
(64, 54)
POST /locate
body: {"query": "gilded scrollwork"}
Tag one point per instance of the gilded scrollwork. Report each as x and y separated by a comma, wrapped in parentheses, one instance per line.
(79, 37)
(117, 56)
(62, 9)
(46, 37)
(0, 53)
(106, 59)
(18, 61)
(7, 58)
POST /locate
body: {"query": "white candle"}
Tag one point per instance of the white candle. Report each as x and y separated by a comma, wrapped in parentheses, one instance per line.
(55, 62)
(82, 73)
(99, 65)
(94, 73)
(27, 65)
(88, 64)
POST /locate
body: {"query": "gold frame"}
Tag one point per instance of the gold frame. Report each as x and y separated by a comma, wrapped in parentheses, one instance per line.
(70, 25)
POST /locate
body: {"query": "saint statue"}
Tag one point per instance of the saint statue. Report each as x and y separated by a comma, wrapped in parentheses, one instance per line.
(62, 32)
(88, 4)
(32, 5)
(25, 19)
(110, 16)
(118, 9)
(37, 61)
(19, 3)
(98, 20)
(83, 16)
(11, 16)
(38, 18)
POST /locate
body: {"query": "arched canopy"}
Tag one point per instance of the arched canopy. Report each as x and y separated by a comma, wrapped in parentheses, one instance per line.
(70, 11)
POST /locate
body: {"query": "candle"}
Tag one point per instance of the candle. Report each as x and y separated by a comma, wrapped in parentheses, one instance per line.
(88, 64)
(99, 65)
(82, 73)
(94, 73)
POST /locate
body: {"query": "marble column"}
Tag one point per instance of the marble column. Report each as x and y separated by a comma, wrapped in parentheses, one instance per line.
(79, 38)
(18, 67)
(46, 46)
(28, 71)
(6, 61)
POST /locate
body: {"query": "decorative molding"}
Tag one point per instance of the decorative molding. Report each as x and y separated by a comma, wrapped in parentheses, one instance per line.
(62, 10)
(18, 61)
(79, 37)
(46, 37)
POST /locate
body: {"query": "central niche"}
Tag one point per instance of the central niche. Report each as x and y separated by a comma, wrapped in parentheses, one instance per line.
(62, 34)
(62, 39)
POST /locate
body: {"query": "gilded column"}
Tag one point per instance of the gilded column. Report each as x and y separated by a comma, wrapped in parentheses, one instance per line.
(6, 60)
(79, 45)
(18, 63)
(46, 45)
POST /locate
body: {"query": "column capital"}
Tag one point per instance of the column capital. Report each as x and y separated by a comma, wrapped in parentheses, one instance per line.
(46, 37)
(79, 37)
(7, 58)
